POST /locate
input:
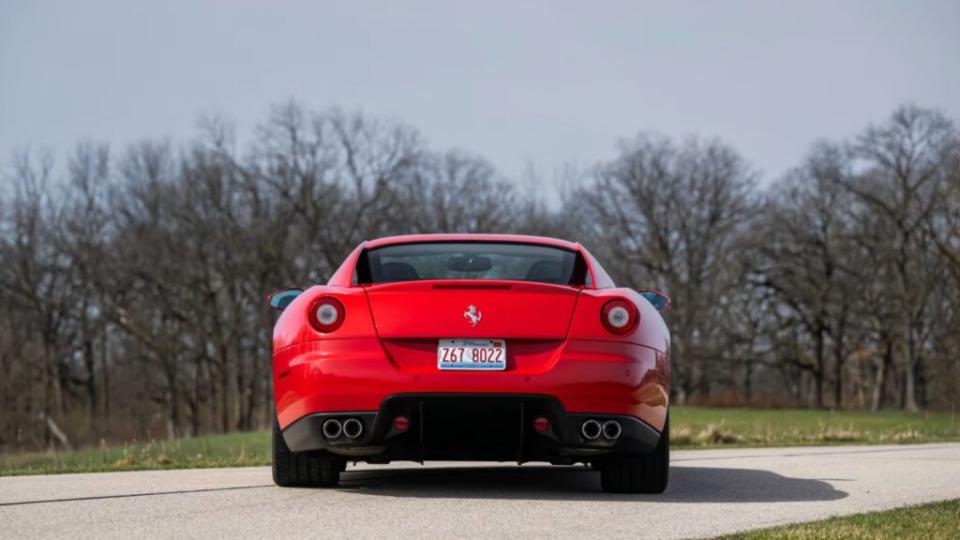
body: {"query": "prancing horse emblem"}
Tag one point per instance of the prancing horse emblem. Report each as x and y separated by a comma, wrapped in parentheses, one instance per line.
(472, 315)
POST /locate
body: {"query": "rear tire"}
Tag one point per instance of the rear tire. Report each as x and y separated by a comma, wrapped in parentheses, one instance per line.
(647, 473)
(309, 469)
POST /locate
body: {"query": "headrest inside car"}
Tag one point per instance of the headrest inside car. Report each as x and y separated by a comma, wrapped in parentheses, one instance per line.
(546, 271)
(397, 271)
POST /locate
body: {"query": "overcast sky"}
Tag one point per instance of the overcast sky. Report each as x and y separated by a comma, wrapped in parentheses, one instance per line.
(544, 83)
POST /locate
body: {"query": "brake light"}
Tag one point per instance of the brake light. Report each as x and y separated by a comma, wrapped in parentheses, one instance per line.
(401, 424)
(326, 314)
(619, 316)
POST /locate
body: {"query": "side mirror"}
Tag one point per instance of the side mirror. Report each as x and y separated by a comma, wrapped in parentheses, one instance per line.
(280, 299)
(660, 301)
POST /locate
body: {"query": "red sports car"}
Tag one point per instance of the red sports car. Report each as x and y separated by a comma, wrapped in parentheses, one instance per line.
(471, 347)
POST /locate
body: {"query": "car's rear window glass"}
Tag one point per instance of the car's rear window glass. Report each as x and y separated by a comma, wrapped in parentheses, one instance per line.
(471, 260)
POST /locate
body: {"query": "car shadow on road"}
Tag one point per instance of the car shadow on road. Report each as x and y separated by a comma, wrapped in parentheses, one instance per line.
(687, 484)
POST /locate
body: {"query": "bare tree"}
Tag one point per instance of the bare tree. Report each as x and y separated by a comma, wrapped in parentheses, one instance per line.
(803, 238)
(668, 216)
(900, 168)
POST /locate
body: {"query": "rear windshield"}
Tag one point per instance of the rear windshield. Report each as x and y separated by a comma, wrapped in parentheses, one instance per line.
(471, 260)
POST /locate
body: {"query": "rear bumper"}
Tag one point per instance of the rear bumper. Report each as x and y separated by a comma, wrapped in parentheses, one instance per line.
(580, 377)
(497, 427)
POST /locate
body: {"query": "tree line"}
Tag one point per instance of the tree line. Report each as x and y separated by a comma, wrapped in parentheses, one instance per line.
(132, 282)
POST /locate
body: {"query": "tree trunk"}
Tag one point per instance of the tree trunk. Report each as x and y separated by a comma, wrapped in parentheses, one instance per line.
(882, 370)
(838, 377)
(54, 430)
(225, 390)
(818, 371)
(909, 379)
(173, 403)
(89, 362)
(747, 380)
(839, 361)
(105, 374)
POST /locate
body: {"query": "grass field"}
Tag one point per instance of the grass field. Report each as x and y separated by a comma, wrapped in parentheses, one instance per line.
(930, 521)
(692, 427)
(232, 450)
(695, 427)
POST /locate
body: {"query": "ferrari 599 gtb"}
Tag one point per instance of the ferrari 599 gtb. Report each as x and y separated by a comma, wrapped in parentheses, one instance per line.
(471, 347)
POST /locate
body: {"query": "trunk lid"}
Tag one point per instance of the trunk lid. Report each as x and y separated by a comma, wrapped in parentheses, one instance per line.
(435, 309)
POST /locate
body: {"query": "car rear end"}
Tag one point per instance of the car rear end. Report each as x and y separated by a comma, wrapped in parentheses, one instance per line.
(487, 349)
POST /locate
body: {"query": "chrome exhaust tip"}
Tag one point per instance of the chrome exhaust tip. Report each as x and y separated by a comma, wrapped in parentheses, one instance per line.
(590, 430)
(332, 428)
(612, 429)
(352, 428)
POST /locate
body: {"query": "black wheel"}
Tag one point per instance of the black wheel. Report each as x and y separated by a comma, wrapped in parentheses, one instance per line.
(647, 473)
(304, 468)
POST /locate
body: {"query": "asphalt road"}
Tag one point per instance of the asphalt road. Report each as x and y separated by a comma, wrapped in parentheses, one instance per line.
(711, 492)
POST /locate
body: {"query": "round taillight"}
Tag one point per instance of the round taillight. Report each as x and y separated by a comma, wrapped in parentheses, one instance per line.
(619, 316)
(326, 314)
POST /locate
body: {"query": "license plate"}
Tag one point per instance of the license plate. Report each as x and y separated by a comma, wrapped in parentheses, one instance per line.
(472, 354)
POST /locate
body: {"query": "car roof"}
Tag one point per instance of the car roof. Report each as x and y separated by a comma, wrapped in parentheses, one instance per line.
(471, 237)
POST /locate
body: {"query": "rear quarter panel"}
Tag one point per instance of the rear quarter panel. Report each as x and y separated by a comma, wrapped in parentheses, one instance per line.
(293, 326)
(650, 332)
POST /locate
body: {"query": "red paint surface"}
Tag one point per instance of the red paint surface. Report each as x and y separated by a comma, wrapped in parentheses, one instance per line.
(556, 343)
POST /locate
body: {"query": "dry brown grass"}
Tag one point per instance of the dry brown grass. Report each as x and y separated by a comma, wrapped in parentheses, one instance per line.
(717, 434)
(834, 434)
